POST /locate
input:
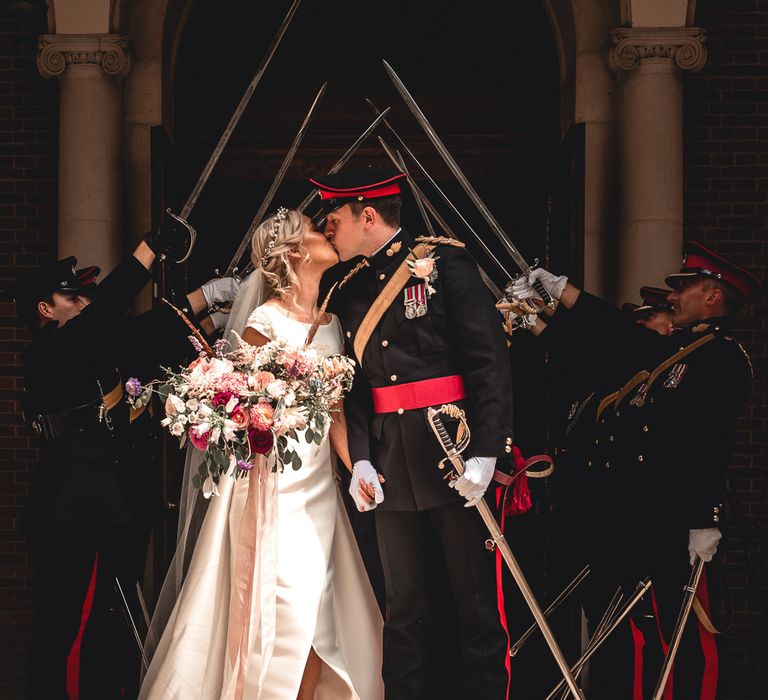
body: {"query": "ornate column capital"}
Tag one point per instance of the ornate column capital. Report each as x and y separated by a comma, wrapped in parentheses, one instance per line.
(57, 52)
(684, 47)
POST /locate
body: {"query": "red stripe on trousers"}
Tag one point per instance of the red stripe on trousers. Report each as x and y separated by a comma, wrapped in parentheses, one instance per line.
(73, 658)
(500, 592)
(638, 642)
(708, 646)
(664, 647)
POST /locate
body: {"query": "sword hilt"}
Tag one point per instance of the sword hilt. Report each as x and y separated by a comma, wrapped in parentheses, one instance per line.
(192, 235)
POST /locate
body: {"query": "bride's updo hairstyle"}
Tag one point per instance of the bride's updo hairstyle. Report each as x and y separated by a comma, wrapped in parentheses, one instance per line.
(275, 237)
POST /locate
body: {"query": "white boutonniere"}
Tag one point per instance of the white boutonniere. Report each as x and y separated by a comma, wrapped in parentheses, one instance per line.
(425, 270)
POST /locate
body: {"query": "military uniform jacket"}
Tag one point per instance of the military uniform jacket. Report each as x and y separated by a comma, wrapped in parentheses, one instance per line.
(460, 334)
(665, 437)
(96, 475)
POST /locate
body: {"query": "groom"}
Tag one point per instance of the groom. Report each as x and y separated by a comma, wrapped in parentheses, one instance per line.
(438, 340)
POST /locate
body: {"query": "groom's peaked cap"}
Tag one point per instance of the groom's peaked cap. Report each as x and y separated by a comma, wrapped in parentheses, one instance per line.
(357, 186)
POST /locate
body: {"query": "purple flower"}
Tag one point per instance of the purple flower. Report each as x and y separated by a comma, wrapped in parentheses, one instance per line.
(245, 466)
(133, 387)
(196, 344)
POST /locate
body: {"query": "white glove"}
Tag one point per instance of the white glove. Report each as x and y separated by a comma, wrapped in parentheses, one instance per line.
(364, 473)
(219, 319)
(553, 284)
(220, 289)
(521, 288)
(703, 543)
(478, 472)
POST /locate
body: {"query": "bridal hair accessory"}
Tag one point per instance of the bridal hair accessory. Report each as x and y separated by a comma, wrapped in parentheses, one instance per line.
(282, 212)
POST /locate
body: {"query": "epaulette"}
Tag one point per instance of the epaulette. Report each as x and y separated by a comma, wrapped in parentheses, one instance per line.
(743, 352)
(362, 264)
(440, 240)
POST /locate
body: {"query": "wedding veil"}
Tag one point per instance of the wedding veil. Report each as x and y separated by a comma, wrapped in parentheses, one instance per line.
(192, 505)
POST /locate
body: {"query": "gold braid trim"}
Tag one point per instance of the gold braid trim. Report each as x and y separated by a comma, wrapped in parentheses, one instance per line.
(440, 240)
(362, 264)
(191, 326)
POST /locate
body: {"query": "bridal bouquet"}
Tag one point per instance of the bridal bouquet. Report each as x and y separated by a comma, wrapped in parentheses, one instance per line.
(233, 406)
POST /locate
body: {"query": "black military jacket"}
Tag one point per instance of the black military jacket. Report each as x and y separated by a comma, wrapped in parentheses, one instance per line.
(663, 440)
(96, 475)
(460, 334)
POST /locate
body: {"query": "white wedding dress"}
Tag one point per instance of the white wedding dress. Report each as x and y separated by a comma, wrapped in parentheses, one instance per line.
(275, 571)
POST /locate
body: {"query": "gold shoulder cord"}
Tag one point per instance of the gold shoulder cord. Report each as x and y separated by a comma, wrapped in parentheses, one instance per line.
(360, 266)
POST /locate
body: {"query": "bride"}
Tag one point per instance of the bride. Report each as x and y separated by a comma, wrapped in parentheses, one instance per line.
(267, 597)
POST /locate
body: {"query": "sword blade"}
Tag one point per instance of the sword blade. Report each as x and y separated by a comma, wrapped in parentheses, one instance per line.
(554, 605)
(131, 623)
(275, 184)
(341, 162)
(497, 536)
(440, 191)
(419, 194)
(677, 635)
(235, 118)
(456, 170)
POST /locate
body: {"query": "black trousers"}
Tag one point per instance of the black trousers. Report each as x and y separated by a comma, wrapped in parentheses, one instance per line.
(408, 541)
(65, 557)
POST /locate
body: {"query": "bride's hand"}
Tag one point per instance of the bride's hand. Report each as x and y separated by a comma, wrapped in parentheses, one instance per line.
(367, 491)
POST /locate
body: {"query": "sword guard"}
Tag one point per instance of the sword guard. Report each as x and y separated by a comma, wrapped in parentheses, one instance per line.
(192, 236)
(490, 545)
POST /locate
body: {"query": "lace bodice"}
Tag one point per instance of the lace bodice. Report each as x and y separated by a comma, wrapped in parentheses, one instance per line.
(274, 323)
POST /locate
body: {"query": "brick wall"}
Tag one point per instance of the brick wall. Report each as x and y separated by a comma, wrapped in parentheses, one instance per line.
(726, 206)
(28, 151)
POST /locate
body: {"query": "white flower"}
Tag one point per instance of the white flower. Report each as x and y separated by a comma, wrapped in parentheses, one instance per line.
(165, 422)
(205, 410)
(177, 429)
(277, 388)
(231, 404)
(181, 419)
(201, 428)
(215, 433)
(229, 431)
(182, 389)
(174, 405)
(192, 405)
(210, 488)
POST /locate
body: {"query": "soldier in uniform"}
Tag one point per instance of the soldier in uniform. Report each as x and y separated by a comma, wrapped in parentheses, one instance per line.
(436, 339)
(655, 312)
(92, 505)
(662, 444)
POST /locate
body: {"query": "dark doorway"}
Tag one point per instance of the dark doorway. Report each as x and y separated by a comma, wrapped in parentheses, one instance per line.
(485, 74)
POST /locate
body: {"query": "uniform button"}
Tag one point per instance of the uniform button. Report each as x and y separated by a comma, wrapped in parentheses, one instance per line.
(640, 458)
(384, 343)
(349, 334)
(618, 413)
(401, 411)
(716, 510)
(645, 428)
(394, 377)
(589, 463)
(607, 465)
(508, 441)
(508, 448)
(382, 276)
(597, 442)
(602, 420)
(610, 438)
(716, 518)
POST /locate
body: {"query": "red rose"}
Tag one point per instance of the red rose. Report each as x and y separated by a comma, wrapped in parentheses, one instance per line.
(221, 398)
(260, 441)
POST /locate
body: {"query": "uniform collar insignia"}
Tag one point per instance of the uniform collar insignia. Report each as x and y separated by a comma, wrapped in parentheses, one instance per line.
(700, 328)
(394, 248)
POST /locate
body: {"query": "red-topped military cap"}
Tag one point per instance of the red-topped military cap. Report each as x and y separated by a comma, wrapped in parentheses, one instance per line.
(87, 275)
(357, 186)
(702, 262)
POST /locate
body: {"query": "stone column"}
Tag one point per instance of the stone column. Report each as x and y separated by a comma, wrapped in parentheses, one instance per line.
(650, 64)
(90, 68)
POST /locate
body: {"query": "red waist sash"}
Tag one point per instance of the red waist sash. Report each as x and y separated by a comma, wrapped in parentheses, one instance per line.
(412, 395)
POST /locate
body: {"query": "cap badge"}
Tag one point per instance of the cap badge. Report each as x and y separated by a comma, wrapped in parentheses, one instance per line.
(394, 248)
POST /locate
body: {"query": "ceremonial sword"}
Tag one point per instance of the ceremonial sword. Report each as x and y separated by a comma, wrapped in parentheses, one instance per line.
(453, 456)
(183, 215)
(275, 184)
(682, 619)
(494, 225)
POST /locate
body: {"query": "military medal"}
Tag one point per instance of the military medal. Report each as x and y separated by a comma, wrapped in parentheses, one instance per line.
(415, 301)
(675, 375)
(638, 400)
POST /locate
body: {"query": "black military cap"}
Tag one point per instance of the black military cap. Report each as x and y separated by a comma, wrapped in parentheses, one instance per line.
(32, 287)
(654, 299)
(86, 276)
(357, 186)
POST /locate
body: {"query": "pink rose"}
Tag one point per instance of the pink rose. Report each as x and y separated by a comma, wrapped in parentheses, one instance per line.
(423, 267)
(261, 380)
(221, 398)
(260, 441)
(239, 417)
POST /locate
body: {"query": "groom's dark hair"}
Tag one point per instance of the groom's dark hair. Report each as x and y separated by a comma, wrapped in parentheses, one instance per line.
(388, 208)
